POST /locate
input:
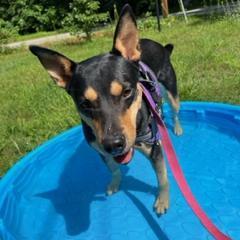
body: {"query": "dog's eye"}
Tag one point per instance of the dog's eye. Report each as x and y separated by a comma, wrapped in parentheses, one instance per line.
(85, 104)
(127, 92)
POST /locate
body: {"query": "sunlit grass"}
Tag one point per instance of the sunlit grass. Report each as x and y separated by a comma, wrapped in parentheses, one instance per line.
(33, 109)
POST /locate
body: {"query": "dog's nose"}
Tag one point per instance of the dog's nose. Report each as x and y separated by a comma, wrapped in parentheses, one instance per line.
(114, 145)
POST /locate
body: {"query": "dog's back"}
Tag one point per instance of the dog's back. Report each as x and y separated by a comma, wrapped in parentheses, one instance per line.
(157, 57)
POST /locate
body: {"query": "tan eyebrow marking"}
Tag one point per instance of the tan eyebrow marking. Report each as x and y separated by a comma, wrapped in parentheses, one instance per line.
(90, 94)
(128, 118)
(116, 88)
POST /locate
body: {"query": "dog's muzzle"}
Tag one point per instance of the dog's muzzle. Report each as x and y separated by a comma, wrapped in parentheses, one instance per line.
(116, 146)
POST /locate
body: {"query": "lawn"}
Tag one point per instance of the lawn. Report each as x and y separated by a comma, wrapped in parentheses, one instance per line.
(33, 109)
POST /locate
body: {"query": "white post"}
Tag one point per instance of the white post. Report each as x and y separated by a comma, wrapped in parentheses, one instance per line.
(183, 10)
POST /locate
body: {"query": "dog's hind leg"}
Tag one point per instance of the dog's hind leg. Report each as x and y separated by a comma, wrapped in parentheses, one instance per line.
(175, 106)
(174, 103)
(168, 80)
(114, 168)
(154, 153)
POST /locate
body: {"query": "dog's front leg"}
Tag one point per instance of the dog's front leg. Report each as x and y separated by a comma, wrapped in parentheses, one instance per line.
(154, 153)
(162, 201)
(114, 168)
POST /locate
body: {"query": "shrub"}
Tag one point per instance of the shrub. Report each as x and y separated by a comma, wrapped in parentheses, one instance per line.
(28, 19)
(32, 15)
(83, 16)
(150, 22)
(7, 31)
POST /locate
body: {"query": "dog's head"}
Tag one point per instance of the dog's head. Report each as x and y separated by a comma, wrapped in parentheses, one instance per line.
(104, 88)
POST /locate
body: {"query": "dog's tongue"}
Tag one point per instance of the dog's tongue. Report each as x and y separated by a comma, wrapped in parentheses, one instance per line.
(125, 158)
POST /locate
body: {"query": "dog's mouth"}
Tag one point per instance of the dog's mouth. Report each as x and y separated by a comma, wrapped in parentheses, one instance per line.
(125, 158)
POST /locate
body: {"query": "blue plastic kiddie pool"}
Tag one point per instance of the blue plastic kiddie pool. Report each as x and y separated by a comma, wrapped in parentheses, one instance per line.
(57, 191)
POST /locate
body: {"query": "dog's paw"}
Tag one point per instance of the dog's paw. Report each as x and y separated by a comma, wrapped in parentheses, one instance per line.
(112, 188)
(162, 202)
(178, 130)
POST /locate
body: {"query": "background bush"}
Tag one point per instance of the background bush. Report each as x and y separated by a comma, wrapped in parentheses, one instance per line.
(29, 16)
(83, 16)
(7, 30)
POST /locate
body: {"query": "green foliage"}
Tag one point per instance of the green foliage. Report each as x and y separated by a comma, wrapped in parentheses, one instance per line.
(83, 16)
(147, 22)
(32, 18)
(27, 19)
(150, 22)
(32, 15)
(7, 31)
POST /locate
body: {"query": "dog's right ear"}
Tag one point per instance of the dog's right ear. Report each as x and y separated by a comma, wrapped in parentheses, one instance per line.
(59, 67)
(126, 39)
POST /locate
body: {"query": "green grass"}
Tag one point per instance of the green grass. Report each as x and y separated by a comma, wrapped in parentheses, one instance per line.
(33, 109)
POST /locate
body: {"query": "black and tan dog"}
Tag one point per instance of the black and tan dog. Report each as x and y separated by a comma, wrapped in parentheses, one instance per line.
(106, 91)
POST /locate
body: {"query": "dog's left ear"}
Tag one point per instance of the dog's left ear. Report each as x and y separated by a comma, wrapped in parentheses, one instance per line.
(126, 40)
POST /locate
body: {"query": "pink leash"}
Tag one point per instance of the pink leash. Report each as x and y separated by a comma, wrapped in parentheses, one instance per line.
(178, 173)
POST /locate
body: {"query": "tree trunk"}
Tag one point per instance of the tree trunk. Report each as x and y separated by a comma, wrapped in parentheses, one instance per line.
(165, 8)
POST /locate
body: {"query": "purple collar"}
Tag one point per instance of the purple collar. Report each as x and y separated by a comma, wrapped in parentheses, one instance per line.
(150, 84)
(150, 77)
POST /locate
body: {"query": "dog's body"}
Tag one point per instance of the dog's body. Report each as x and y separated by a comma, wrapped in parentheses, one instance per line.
(108, 96)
